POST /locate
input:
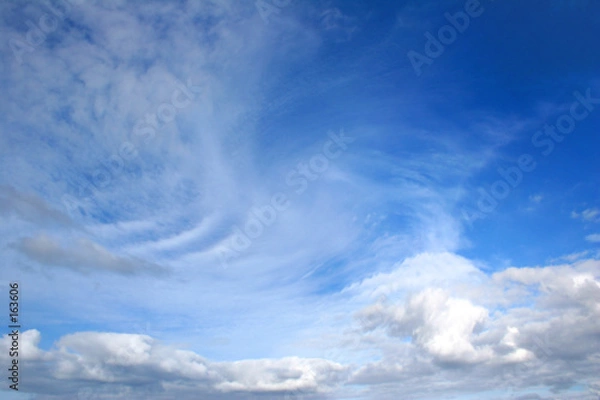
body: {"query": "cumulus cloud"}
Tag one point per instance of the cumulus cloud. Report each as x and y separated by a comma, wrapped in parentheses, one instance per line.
(441, 325)
(525, 325)
(511, 330)
(92, 359)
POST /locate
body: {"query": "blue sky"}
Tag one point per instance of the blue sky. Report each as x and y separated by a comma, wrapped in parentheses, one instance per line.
(302, 200)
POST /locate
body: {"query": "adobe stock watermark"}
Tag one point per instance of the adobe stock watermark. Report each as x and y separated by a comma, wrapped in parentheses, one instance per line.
(268, 7)
(297, 179)
(434, 47)
(545, 139)
(37, 33)
(144, 129)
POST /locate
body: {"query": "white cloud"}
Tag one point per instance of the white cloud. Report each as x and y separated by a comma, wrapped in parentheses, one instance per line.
(589, 214)
(91, 359)
(594, 238)
(440, 324)
(524, 324)
(419, 272)
(471, 333)
(536, 198)
(571, 257)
